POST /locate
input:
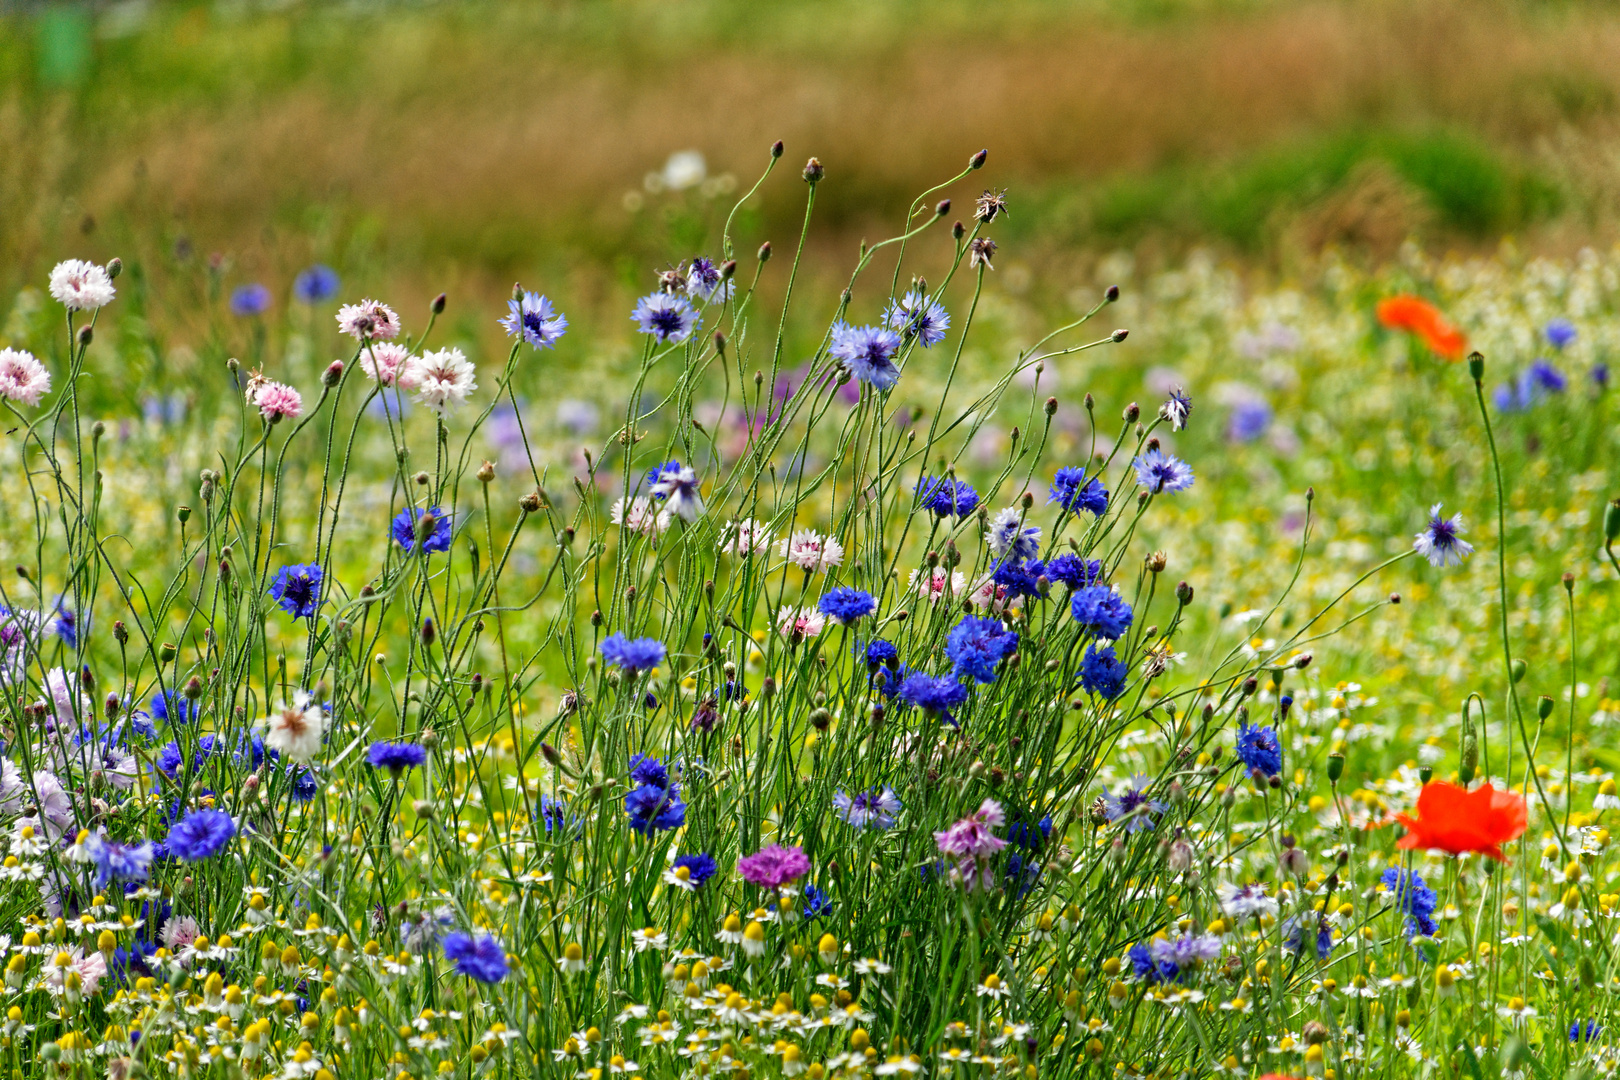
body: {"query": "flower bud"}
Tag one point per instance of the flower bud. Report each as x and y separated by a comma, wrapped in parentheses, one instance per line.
(486, 472)
(1476, 366)
(86, 335)
(115, 266)
(765, 252)
(1303, 661)
(814, 171)
(437, 306)
(1517, 670)
(1132, 411)
(530, 503)
(776, 149)
(333, 374)
(1544, 707)
(1111, 293)
(1611, 521)
(977, 160)
(428, 632)
(1335, 767)
(943, 208)
(167, 652)
(958, 230)
(1118, 336)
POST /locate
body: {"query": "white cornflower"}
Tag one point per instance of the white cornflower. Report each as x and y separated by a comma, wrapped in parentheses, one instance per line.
(640, 514)
(440, 379)
(297, 730)
(805, 622)
(809, 550)
(22, 377)
(1008, 535)
(746, 537)
(81, 286)
(368, 319)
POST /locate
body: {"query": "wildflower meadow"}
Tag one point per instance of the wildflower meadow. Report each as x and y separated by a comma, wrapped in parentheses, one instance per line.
(817, 682)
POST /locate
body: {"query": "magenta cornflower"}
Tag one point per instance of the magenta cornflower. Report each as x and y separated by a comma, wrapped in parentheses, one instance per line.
(774, 866)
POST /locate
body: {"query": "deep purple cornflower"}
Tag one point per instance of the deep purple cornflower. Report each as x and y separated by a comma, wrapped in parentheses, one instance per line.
(846, 606)
(666, 317)
(1074, 571)
(480, 958)
(1259, 748)
(1133, 803)
(878, 808)
(918, 315)
(406, 524)
(868, 353)
(315, 284)
(1072, 491)
(396, 757)
(298, 589)
(699, 867)
(1157, 471)
(200, 834)
(1441, 543)
(1249, 420)
(640, 654)
(1102, 611)
(533, 319)
(946, 497)
(774, 866)
(122, 862)
(928, 692)
(1102, 672)
(977, 646)
(1560, 333)
(250, 300)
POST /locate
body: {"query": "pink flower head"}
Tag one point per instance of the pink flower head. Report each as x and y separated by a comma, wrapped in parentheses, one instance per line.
(368, 319)
(383, 361)
(799, 623)
(276, 401)
(22, 377)
(809, 550)
(774, 866)
(970, 843)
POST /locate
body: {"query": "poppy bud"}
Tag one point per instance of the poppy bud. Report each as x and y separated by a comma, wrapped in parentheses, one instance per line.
(1476, 366)
(1517, 670)
(1611, 521)
(1544, 707)
(1335, 767)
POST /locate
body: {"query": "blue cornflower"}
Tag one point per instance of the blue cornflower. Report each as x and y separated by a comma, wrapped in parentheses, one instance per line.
(1600, 375)
(1285, 703)
(868, 353)
(918, 315)
(1584, 1033)
(1009, 537)
(1442, 543)
(703, 280)
(1248, 421)
(1294, 936)
(1022, 874)
(879, 651)
(170, 707)
(1148, 969)
(946, 497)
(1074, 571)
(1157, 471)
(1102, 672)
(66, 626)
(396, 757)
(315, 284)
(1176, 408)
(305, 784)
(1414, 897)
(641, 654)
(847, 605)
(927, 692)
(699, 868)
(816, 903)
(407, 522)
(648, 770)
(1021, 833)
(1020, 579)
(533, 319)
(553, 813)
(124, 862)
(477, 958)
(200, 834)
(977, 646)
(250, 300)
(171, 757)
(666, 317)
(654, 808)
(1072, 491)
(1133, 804)
(878, 808)
(1560, 333)
(1102, 611)
(1259, 748)
(1543, 376)
(298, 589)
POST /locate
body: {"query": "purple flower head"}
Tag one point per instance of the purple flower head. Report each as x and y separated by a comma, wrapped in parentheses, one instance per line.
(315, 284)
(1072, 491)
(648, 770)
(868, 353)
(1543, 376)
(1293, 929)
(250, 300)
(1102, 611)
(396, 757)
(405, 527)
(879, 652)
(1259, 748)
(1157, 471)
(1176, 408)
(774, 866)
(977, 646)
(480, 958)
(1102, 672)
(970, 844)
(655, 808)
(703, 280)
(1133, 806)
(640, 654)
(1560, 333)
(946, 497)
(936, 694)
(298, 590)
(918, 315)
(1020, 579)
(666, 317)
(533, 319)
(200, 834)
(1187, 951)
(1074, 571)
(878, 808)
(1441, 543)
(847, 605)
(121, 862)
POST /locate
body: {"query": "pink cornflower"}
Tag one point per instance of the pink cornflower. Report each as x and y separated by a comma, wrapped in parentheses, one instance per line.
(774, 866)
(384, 361)
(809, 550)
(22, 377)
(938, 583)
(971, 843)
(744, 537)
(800, 623)
(275, 401)
(368, 319)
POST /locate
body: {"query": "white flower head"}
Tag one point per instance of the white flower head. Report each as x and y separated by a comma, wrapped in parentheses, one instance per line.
(809, 550)
(81, 286)
(746, 537)
(440, 379)
(297, 730)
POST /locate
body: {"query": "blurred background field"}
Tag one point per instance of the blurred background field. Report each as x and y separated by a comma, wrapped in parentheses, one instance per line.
(1254, 174)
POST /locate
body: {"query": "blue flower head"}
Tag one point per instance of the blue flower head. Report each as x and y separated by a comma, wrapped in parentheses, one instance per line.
(847, 605)
(816, 903)
(200, 834)
(936, 694)
(1102, 672)
(1020, 579)
(946, 497)
(640, 654)
(315, 284)
(977, 646)
(1249, 420)
(532, 318)
(868, 353)
(480, 958)
(1294, 936)
(699, 867)
(250, 300)
(1259, 748)
(1102, 611)
(170, 707)
(1560, 333)
(121, 862)
(918, 315)
(648, 770)
(665, 317)
(1158, 471)
(653, 808)
(408, 522)
(1414, 897)
(396, 757)
(879, 652)
(1074, 571)
(1072, 491)
(298, 590)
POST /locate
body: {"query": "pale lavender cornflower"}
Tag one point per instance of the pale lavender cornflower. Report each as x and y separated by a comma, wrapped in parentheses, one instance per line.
(678, 488)
(665, 316)
(875, 809)
(918, 315)
(1189, 950)
(868, 353)
(1441, 543)
(440, 379)
(1243, 901)
(532, 318)
(1009, 538)
(1176, 408)
(1158, 471)
(704, 280)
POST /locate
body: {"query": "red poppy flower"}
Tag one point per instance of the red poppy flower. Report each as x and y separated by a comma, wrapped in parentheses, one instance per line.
(1423, 319)
(1454, 819)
